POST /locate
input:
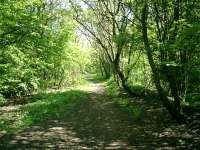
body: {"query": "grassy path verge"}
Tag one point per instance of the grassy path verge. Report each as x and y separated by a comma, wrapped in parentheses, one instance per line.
(87, 118)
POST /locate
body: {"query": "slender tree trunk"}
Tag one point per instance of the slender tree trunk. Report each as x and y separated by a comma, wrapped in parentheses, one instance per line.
(121, 75)
(162, 95)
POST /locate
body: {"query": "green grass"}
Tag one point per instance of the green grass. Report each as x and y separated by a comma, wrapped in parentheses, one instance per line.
(39, 108)
(122, 102)
(2, 100)
(136, 112)
(111, 88)
(95, 78)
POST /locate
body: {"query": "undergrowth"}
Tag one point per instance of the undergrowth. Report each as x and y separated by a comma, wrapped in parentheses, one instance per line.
(39, 108)
(123, 102)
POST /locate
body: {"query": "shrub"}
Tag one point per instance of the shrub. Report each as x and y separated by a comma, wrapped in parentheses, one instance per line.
(2, 99)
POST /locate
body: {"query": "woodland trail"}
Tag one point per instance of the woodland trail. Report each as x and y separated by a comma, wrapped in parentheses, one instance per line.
(97, 123)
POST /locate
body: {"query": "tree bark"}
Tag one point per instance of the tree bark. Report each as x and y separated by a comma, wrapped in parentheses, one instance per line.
(162, 95)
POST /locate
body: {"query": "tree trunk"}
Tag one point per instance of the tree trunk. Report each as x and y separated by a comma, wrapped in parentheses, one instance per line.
(123, 79)
(162, 95)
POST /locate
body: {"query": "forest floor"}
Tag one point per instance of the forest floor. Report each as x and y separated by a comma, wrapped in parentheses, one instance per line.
(92, 120)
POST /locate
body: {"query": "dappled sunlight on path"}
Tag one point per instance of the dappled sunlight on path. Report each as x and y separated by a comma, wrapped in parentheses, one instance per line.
(96, 123)
(92, 88)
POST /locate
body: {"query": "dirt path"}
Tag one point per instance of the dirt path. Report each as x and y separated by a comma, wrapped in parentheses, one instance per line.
(97, 123)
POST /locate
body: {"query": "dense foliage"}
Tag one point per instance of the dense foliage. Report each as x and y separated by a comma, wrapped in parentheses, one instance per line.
(143, 46)
(148, 44)
(37, 48)
(99, 74)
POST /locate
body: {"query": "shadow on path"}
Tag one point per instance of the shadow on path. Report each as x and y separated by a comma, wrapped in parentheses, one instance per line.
(95, 122)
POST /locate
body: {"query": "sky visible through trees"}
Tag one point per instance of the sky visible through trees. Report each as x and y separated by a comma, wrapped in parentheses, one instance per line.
(55, 53)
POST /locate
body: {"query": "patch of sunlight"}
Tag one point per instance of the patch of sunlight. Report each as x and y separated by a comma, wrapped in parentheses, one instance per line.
(41, 107)
(116, 145)
(92, 88)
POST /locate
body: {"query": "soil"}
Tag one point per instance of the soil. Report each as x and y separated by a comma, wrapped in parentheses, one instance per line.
(97, 123)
